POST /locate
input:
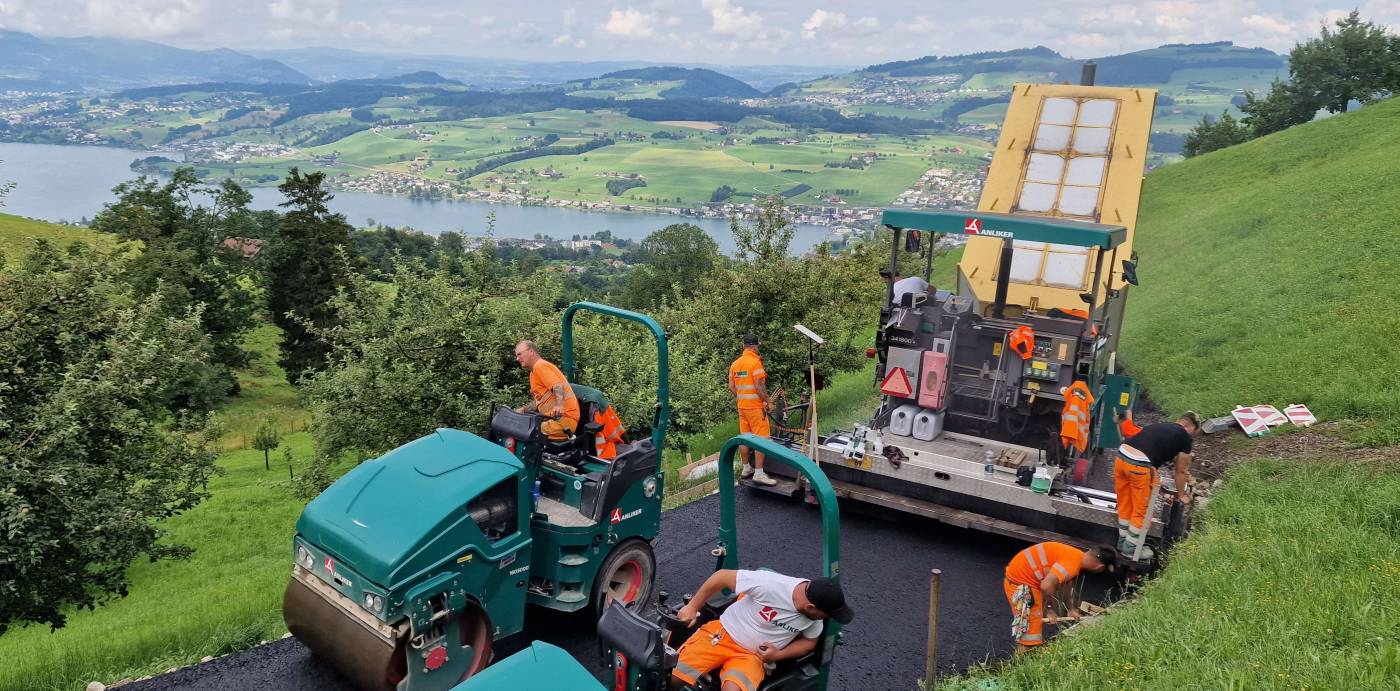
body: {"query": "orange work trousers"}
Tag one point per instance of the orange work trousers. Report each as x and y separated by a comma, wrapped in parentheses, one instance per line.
(1033, 634)
(1133, 485)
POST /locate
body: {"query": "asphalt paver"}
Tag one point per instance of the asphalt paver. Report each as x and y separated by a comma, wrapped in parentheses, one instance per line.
(886, 560)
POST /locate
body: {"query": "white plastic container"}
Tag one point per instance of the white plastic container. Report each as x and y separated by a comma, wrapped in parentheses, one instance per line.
(902, 420)
(928, 424)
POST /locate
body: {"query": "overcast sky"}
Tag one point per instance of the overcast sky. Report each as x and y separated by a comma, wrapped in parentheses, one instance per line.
(718, 31)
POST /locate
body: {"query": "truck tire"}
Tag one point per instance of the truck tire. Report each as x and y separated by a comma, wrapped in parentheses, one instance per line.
(627, 575)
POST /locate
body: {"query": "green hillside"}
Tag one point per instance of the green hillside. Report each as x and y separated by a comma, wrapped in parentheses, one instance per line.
(17, 234)
(1268, 275)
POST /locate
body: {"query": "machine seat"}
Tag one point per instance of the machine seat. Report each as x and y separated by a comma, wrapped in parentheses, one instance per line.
(639, 640)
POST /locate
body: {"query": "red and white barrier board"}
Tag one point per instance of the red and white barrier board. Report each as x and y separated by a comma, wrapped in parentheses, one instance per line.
(1252, 422)
(1299, 415)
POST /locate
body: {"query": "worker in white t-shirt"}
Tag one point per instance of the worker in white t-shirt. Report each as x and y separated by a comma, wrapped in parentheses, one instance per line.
(905, 286)
(776, 618)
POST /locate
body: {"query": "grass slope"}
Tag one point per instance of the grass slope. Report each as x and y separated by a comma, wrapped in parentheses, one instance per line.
(17, 235)
(1267, 275)
(1283, 587)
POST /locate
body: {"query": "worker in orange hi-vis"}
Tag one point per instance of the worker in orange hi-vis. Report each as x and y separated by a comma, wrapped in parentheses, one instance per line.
(1042, 573)
(749, 384)
(553, 397)
(1144, 450)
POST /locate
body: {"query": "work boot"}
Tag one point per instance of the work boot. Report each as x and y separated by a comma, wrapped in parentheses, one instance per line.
(1127, 546)
(748, 472)
(761, 478)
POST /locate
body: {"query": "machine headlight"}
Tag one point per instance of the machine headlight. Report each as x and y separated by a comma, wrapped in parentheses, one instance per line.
(304, 556)
(649, 487)
(373, 603)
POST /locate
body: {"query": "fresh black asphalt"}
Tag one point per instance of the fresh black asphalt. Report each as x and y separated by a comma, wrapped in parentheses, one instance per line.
(885, 564)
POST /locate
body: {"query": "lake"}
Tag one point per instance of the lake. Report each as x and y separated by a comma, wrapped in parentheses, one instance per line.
(68, 183)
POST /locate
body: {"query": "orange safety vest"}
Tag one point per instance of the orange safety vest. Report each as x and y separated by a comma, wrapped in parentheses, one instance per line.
(745, 373)
(1022, 341)
(1031, 565)
(605, 441)
(1074, 421)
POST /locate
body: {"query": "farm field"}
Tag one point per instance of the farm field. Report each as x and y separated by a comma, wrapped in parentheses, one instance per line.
(683, 166)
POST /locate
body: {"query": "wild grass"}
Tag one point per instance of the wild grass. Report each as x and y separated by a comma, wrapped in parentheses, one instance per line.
(1268, 276)
(1288, 584)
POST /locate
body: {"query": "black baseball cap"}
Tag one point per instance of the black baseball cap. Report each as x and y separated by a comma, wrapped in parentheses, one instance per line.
(750, 339)
(827, 596)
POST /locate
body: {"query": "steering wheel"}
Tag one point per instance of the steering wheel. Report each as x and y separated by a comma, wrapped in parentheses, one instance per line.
(957, 304)
(667, 615)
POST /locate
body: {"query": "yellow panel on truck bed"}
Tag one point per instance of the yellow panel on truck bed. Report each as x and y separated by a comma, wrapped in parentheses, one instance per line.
(1073, 152)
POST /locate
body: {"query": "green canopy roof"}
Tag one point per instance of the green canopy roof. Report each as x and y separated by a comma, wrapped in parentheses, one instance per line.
(1010, 226)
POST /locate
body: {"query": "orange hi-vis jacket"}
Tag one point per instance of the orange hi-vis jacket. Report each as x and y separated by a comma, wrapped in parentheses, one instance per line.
(605, 441)
(1031, 565)
(746, 373)
(1074, 421)
(544, 376)
(1022, 341)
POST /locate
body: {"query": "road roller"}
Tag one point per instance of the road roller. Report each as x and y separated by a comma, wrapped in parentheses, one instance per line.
(640, 650)
(408, 568)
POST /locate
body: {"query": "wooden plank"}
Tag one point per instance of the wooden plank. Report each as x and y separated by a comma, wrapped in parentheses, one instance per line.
(954, 517)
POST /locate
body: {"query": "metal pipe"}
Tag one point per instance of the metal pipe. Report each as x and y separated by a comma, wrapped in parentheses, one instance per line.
(1003, 279)
(894, 264)
(931, 665)
(1086, 74)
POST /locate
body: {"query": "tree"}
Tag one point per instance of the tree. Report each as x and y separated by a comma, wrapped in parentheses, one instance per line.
(1356, 62)
(310, 268)
(674, 261)
(434, 352)
(1209, 135)
(184, 260)
(1283, 107)
(766, 238)
(91, 456)
(265, 439)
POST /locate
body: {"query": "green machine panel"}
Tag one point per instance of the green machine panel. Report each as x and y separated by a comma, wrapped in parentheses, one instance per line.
(1118, 393)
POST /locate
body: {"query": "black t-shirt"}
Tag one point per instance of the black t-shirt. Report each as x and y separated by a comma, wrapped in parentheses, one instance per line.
(1161, 442)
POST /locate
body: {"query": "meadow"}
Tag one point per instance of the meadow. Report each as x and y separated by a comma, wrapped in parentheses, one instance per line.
(1267, 274)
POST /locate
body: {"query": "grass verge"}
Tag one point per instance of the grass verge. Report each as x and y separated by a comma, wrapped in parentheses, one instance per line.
(1288, 584)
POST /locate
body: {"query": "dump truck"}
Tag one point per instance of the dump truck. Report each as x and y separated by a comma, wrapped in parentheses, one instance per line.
(408, 568)
(640, 651)
(974, 376)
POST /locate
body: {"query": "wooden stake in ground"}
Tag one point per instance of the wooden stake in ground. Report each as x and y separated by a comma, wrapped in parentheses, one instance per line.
(931, 668)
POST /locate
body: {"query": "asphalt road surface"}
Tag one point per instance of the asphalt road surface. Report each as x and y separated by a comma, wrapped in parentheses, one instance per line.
(885, 565)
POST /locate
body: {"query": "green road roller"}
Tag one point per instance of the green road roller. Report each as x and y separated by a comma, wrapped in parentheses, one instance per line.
(408, 568)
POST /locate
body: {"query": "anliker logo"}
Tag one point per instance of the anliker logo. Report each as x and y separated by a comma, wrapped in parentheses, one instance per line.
(973, 226)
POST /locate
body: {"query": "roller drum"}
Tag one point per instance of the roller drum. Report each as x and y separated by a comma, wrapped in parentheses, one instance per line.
(359, 653)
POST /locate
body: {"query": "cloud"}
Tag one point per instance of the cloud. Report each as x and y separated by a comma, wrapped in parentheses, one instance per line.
(146, 18)
(631, 24)
(827, 22)
(732, 20)
(1267, 24)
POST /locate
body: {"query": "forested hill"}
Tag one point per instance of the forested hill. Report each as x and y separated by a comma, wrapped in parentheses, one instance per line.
(1138, 68)
(696, 82)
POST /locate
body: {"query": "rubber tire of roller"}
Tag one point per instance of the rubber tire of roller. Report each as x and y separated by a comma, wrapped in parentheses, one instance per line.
(631, 549)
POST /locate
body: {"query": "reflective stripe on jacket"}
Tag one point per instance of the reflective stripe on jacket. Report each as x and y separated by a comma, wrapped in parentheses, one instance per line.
(746, 374)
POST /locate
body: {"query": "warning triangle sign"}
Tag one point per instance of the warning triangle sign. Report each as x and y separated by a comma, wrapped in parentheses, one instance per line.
(897, 384)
